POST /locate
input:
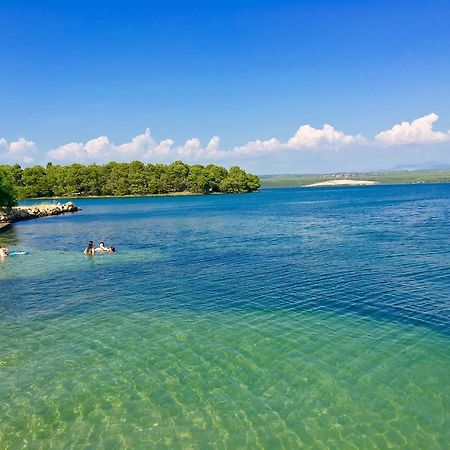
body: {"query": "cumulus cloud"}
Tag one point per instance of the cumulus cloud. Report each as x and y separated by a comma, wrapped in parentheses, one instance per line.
(305, 138)
(305, 141)
(22, 151)
(192, 149)
(419, 131)
(308, 137)
(102, 149)
(259, 147)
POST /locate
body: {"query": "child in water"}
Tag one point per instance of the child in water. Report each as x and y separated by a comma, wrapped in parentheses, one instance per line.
(3, 252)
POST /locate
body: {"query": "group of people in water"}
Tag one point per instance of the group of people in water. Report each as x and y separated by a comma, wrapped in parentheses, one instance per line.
(91, 250)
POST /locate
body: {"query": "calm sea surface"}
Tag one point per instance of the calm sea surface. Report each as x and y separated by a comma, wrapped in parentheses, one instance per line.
(288, 318)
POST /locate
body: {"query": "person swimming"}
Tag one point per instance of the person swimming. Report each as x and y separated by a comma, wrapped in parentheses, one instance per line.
(102, 248)
(4, 252)
(89, 250)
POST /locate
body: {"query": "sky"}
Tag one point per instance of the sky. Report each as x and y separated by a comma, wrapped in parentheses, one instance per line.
(272, 86)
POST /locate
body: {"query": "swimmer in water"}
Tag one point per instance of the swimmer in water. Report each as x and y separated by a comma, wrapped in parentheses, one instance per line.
(101, 247)
(89, 250)
(3, 252)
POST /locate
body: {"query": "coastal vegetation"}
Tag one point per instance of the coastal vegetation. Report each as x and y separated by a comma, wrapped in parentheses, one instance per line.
(388, 177)
(7, 193)
(120, 179)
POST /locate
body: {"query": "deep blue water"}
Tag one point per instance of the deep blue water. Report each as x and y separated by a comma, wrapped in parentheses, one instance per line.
(379, 251)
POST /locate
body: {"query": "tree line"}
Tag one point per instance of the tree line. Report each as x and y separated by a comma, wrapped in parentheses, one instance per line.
(120, 179)
(7, 194)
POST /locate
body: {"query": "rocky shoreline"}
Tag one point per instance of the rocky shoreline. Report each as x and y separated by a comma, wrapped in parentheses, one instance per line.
(18, 213)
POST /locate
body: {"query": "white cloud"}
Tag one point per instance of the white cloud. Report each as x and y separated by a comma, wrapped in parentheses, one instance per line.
(102, 149)
(213, 146)
(20, 151)
(259, 147)
(308, 137)
(305, 138)
(419, 131)
(192, 149)
(305, 141)
(144, 145)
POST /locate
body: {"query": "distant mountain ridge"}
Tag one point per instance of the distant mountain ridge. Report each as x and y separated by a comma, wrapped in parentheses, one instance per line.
(422, 166)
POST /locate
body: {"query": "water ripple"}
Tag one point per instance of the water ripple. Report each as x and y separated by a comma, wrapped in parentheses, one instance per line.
(285, 319)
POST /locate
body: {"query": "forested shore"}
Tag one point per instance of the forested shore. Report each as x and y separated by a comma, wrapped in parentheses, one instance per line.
(121, 179)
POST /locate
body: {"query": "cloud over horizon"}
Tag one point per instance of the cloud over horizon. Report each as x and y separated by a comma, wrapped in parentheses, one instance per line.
(419, 131)
(306, 140)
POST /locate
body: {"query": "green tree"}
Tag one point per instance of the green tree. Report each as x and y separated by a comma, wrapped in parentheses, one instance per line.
(117, 179)
(137, 178)
(198, 181)
(7, 194)
(215, 175)
(176, 176)
(238, 181)
(35, 182)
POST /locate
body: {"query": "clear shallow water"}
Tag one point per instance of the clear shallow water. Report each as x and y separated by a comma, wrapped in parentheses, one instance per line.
(283, 319)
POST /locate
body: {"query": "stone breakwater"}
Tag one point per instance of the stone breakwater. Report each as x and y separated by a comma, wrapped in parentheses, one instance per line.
(8, 216)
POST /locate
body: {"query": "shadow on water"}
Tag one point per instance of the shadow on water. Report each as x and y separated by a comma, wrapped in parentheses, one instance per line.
(8, 237)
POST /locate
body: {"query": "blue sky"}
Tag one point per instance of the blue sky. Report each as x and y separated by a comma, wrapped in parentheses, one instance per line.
(80, 80)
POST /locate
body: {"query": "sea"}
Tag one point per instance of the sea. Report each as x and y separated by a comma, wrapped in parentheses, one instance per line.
(314, 318)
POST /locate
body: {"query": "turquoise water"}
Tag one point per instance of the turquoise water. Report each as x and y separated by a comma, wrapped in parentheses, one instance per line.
(289, 318)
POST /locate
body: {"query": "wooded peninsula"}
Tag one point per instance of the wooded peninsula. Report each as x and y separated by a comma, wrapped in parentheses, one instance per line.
(120, 179)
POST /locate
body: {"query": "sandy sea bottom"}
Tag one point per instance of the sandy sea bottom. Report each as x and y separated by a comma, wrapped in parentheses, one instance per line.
(232, 379)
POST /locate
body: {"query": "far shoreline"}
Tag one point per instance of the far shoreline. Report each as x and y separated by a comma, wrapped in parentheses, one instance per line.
(169, 194)
(378, 178)
(83, 197)
(194, 194)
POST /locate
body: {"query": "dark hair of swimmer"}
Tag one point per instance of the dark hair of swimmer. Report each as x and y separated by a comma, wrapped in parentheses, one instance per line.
(113, 249)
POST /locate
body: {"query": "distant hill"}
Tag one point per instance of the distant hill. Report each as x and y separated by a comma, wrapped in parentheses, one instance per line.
(422, 166)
